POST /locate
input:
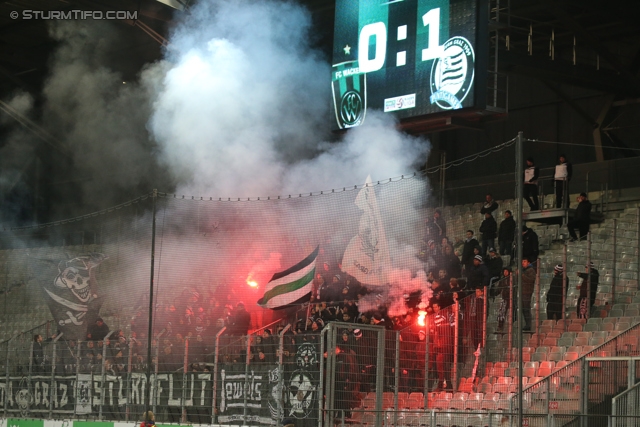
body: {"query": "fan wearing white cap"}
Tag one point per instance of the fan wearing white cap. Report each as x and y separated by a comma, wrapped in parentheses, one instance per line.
(554, 296)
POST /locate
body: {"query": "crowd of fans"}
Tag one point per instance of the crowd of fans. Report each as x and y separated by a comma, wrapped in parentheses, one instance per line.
(458, 269)
(454, 270)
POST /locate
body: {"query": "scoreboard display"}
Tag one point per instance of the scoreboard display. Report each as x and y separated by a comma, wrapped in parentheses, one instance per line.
(405, 57)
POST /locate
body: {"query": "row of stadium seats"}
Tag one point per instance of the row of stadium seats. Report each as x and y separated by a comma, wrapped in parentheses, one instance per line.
(439, 400)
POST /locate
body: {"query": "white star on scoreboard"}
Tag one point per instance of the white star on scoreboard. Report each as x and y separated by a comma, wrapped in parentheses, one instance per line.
(347, 50)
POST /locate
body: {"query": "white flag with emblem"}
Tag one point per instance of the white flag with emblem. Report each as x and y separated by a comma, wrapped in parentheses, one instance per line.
(367, 256)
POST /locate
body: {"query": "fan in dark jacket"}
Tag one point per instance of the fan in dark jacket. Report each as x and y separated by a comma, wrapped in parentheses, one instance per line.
(451, 262)
(240, 320)
(467, 251)
(494, 264)
(439, 226)
(489, 229)
(506, 233)
(530, 247)
(37, 355)
(554, 295)
(581, 218)
(489, 206)
(98, 331)
(478, 276)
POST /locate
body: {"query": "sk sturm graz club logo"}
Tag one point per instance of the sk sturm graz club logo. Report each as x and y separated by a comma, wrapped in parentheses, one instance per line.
(452, 74)
(301, 394)
(306, 355)
(349, 94)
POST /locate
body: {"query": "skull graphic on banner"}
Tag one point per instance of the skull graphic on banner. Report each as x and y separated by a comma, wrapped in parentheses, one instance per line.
(72, 295)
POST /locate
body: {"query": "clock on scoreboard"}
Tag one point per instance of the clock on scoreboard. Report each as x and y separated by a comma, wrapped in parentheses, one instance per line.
(409, 58)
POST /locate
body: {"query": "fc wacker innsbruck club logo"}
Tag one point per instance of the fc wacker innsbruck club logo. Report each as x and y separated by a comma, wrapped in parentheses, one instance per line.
(452, 74)
(349, 90)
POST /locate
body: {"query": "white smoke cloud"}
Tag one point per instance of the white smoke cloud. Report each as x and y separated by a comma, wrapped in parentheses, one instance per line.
(247, 97)
(242, 111)
(244, 97)
(239, 107)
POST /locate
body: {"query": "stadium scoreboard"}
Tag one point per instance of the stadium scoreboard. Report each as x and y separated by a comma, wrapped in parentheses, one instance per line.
(409, 58)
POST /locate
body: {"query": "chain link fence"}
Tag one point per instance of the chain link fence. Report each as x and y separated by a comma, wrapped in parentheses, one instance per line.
(154, 304)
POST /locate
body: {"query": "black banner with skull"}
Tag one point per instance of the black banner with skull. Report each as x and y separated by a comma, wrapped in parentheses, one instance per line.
(71, 293)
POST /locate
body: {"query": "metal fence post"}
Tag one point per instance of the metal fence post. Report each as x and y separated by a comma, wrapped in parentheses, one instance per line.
(30, 364)
(548, 395)
(52, 384)
(485, 315)
(281, 371)
(510, 319)
(129, 381)
(104, 374)
(638, 243)
(584, 391)
(538, 301)
(456, 337)
(216, 357)
(29, 385)
(397, 380)
(615, 260)
(519, 174)
(328, 386)
(75, 386)
(154, 386)
(564, 287)
(425, 395)
(246, 379)
(321, 382)
(379, 376)
(6, 375)
(185, 363)
(589, 275)
(631, 403)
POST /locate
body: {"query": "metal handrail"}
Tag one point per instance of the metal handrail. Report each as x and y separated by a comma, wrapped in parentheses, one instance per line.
(614, 408)
(546, 381)
(30, 331)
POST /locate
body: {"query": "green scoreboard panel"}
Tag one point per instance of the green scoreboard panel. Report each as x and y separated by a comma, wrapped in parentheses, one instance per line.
(409, 58)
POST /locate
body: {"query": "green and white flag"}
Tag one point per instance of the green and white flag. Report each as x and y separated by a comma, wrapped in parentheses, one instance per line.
(292, 285)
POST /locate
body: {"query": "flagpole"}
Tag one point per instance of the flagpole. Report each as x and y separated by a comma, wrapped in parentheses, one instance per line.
(306, 322)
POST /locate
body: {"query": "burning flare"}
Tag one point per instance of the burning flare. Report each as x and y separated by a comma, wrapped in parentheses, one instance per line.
(252, 282)
(421, 315)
